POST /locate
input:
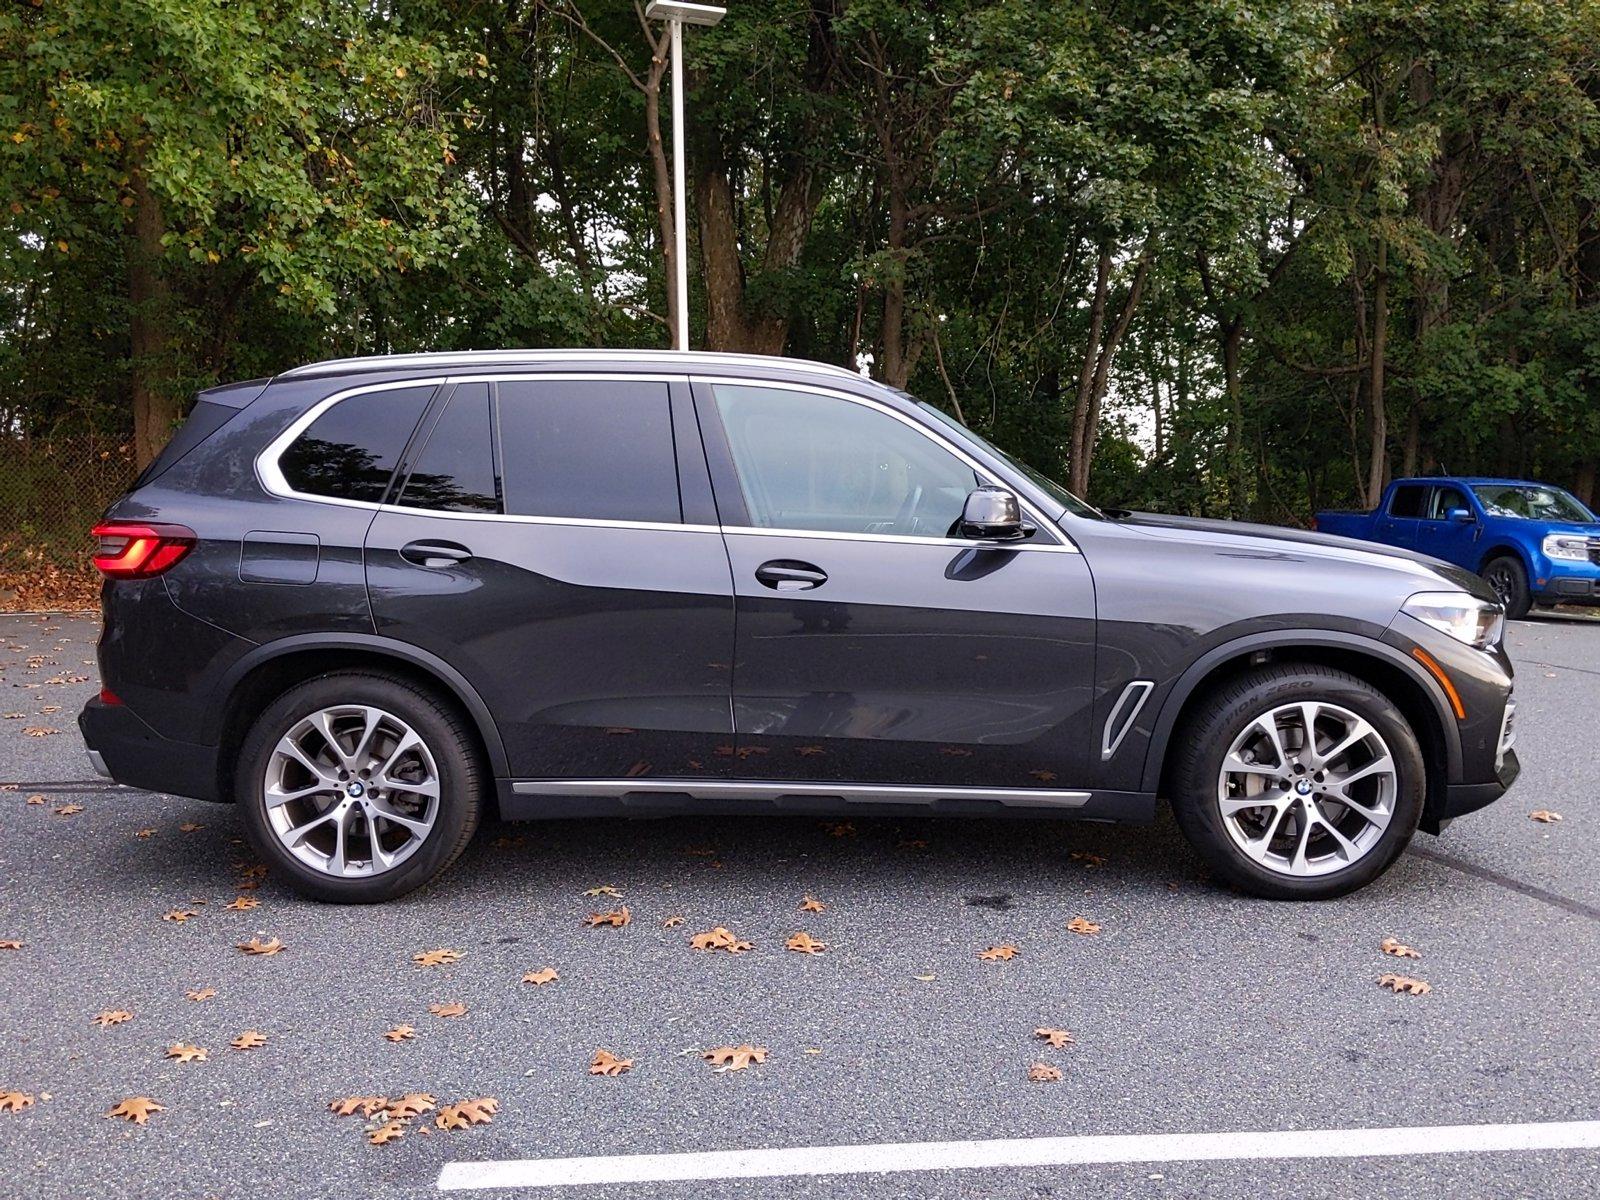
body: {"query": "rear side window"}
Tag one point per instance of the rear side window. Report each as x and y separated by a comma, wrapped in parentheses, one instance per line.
(455, 471)
(1408, 501)
(589, 448)
(350, 451)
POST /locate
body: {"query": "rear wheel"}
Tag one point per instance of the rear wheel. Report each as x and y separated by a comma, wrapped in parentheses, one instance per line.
(358, 787)
(1298, 782)
(1510, 583)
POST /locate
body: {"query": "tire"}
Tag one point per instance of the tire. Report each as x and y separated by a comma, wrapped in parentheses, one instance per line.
(1228, 728)
(434, 790)
(1509, 580)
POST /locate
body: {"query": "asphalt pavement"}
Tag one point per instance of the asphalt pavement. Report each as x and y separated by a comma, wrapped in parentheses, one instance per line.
(1193, 1009)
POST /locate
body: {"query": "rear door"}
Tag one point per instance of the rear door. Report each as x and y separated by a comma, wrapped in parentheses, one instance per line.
(1398, 523)
(873, 647)
(553, 538)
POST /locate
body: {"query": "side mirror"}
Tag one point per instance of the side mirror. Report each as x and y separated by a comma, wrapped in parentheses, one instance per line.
(1460, 516)
(992, 514)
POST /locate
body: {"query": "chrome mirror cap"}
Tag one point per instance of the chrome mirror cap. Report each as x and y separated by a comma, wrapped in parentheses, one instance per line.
(993, 514)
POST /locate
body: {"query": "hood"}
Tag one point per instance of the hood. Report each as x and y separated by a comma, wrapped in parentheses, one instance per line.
(1265, 538)
(1581, 528)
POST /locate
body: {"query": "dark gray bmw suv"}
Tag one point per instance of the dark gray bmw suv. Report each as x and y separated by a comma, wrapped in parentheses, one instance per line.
(366, 599)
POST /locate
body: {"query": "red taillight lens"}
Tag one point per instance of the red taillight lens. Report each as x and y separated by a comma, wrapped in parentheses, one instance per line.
(128, 550)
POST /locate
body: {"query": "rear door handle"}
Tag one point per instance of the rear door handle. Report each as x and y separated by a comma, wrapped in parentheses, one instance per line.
(789, 575)
(434, 554)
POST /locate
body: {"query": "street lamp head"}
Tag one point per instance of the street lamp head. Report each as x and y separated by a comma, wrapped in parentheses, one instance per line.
(689, 14)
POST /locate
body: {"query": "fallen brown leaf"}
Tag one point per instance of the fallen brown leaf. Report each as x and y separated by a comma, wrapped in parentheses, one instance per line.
(40, 731)
(1044, 1073)
(9, 944)
(720, 939)
(1001, 953)
(179, 915)
(136, 1109)
(200, 994)
(67, 810)
(144, 833)
(249, 1040)
(1404, 983)
(38, 800)
(453, 1009)
(1090, 860)
(617, 918)
(1082, 925)
(839, 829)
(542, 977)
(184, 1053)
(804, 943)
(1056, 1037)
(111, 1016)
(412, 1104)
(1399, 949)
(607, 1063)
(190, 827)
(1544, 816)
(672, 922)
(811, 905)
(401, 1033)
(735, 1058)
(367, 1106)
(242, 904)
(604, 890)
(257, 946)
(389, 1131)
(467, 1112)
(436, 958)
(15, 1101)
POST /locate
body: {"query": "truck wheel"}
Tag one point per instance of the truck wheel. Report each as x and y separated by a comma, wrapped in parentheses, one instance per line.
(1510, 583)
(1298, 782)
(357, 787)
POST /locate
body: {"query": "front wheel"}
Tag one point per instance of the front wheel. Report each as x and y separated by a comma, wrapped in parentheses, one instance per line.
(1510, 583)
(358, 787)
(1298, 782)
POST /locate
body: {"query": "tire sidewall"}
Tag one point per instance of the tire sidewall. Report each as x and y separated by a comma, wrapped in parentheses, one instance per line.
(458, 784)
(1521, 599)
(1200, 815)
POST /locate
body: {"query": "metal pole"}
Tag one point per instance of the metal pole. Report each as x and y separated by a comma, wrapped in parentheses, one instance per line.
(679, 215)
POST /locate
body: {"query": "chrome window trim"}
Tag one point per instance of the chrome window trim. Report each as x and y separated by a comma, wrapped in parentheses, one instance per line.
(853, 793)
(271, 478)
(984, 473)
(1117, 726)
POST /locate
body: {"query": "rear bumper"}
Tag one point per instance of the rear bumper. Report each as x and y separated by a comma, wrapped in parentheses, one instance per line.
(124, 748)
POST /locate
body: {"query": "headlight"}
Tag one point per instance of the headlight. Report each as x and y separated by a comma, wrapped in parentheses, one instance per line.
(1573, 546)
(1465, 618)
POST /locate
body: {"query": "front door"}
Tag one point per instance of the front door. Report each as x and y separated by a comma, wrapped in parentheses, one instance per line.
(546, 543)
(873, 646)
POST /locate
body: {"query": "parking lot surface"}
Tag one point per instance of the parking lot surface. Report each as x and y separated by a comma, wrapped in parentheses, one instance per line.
(1192, 1009)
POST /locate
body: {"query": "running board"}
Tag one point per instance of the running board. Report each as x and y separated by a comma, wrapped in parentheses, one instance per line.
(775, 793)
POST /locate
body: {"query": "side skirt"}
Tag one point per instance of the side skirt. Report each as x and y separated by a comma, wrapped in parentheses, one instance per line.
(553, 799)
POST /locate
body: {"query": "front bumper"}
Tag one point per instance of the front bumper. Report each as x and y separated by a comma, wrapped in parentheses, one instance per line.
(124, 748)
(1462, 798)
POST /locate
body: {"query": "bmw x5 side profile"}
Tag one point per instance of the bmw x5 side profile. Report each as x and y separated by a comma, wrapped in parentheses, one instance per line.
(367, 600)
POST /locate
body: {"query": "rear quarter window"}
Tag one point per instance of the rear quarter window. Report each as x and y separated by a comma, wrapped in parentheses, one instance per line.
(351, 450)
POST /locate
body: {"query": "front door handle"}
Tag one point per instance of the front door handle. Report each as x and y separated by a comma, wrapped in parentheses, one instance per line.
(434, 554)
(788, 575)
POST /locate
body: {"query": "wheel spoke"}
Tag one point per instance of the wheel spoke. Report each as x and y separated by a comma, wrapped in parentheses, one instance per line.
(337, 861)
(1354, 735)
(1309, 712)
(1348, 850)
(276, 795)
(362, 754)
(1382, 764)
(1239, 766)
(1269, 726)
(296, 837)
(382, 808)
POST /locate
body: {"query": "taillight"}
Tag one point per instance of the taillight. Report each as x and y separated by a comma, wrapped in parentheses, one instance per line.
(129, 550)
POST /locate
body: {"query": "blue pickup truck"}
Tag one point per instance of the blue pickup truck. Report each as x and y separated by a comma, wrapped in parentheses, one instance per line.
(1533, 543)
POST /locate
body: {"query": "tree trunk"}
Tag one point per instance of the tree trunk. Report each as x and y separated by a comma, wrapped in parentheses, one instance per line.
(892, 333)
(155, 401)
(1378, 462)
(1088, 427)
(662, 174)
(1077, 455)
(1232, 339)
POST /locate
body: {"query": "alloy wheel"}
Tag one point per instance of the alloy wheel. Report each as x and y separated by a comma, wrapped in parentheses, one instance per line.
(1500, 579)
(1307, 789)
(351, 790)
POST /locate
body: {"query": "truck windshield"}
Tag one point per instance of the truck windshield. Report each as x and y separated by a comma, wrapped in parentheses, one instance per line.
(1058, 493)
(1531, 503)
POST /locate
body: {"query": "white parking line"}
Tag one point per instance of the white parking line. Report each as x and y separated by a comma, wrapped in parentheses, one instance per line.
(1018, 1152)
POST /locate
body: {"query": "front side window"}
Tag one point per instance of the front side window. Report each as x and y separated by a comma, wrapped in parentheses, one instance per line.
(1408, 501)
(1445, 499)
(455, 470)
(350, 451)
(599, 449)
(812, 462)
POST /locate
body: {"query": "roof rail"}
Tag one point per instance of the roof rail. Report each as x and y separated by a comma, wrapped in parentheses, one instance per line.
(445, 360)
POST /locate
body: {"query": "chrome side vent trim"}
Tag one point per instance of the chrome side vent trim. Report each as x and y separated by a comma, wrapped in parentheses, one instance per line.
(1123, 714)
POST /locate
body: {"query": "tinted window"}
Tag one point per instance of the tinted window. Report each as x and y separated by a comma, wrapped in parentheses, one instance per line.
(1408, 501)
(594, 448)
(455, 470)
(351, 450)
(808, 461)
(1444, 499)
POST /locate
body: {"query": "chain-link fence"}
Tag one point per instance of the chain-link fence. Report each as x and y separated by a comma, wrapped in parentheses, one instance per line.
(52, 489)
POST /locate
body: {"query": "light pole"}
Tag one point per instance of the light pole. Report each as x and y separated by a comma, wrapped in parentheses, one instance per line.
(679, 15)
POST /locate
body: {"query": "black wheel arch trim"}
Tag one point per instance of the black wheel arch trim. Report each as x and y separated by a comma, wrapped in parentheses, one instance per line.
(1288, 640)
(380, 647)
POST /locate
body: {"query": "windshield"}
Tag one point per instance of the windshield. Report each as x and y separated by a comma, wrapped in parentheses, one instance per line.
(1056, 492)
(1531, 502)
